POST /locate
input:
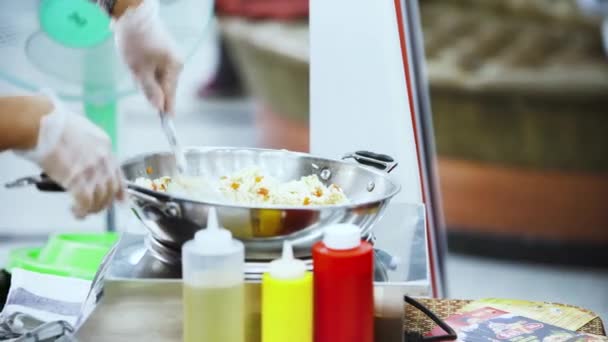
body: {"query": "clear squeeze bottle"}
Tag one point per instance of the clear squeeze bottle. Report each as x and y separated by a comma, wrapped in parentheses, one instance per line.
(343, 286)
(214, 299)
(287, 300)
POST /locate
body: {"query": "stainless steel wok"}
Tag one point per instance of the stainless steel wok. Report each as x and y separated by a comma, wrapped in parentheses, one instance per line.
(172, 220)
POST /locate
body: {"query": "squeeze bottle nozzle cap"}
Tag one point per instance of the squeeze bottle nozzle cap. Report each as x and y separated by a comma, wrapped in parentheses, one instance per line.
(287, 267)
(342, 236)
(214, 239)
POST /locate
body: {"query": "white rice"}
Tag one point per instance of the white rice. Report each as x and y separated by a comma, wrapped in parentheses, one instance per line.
(251, 186)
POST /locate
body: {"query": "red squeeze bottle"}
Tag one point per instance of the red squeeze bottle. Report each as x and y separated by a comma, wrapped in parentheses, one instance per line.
(343, 286)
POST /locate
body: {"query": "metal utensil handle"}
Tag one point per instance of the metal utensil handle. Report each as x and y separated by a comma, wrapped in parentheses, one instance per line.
(379, 161)
(169, 208)
(169, 130)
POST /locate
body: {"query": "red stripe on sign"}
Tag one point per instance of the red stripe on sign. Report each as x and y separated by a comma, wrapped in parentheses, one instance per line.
(406, 68)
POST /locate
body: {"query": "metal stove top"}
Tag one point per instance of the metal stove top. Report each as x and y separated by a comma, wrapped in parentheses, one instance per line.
(399, 241)
(138, 257)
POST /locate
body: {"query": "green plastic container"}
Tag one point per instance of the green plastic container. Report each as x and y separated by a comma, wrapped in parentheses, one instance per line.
(69, 255)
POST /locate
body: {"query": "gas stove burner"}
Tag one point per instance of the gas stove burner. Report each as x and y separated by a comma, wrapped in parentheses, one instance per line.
(150, 259)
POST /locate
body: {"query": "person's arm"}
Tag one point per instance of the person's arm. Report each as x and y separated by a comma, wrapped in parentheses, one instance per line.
(146, 48)
(20, 120)
(71, 150)
(116, 8)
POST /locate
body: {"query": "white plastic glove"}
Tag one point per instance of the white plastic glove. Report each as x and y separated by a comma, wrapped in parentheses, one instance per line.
(150, 53)
(78, 155)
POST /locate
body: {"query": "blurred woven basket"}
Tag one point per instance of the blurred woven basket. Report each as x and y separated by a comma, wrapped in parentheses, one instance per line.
(518, 90)
(519, 95)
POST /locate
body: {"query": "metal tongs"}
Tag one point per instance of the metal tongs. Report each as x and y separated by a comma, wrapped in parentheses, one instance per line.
(169, 129)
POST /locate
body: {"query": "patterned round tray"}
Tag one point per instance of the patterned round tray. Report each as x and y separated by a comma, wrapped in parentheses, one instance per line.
(416, 321)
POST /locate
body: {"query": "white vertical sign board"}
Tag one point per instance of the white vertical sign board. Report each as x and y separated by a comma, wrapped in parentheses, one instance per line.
(358, 91)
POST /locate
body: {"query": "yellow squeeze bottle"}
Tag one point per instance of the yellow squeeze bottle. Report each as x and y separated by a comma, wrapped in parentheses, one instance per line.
(287, 300)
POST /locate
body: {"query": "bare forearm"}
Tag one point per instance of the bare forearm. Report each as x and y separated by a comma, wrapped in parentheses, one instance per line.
(20, 120)
(117, 8)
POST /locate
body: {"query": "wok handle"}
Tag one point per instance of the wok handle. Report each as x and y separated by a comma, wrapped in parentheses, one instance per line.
(42, 182)
(379, 161)
(169, 208)
(47, 184)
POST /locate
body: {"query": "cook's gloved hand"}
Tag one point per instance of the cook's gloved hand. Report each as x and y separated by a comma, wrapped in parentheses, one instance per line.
(150, 53)
(78, 155)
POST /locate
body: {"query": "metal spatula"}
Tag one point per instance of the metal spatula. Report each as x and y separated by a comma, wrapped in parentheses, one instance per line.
(169, 129)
